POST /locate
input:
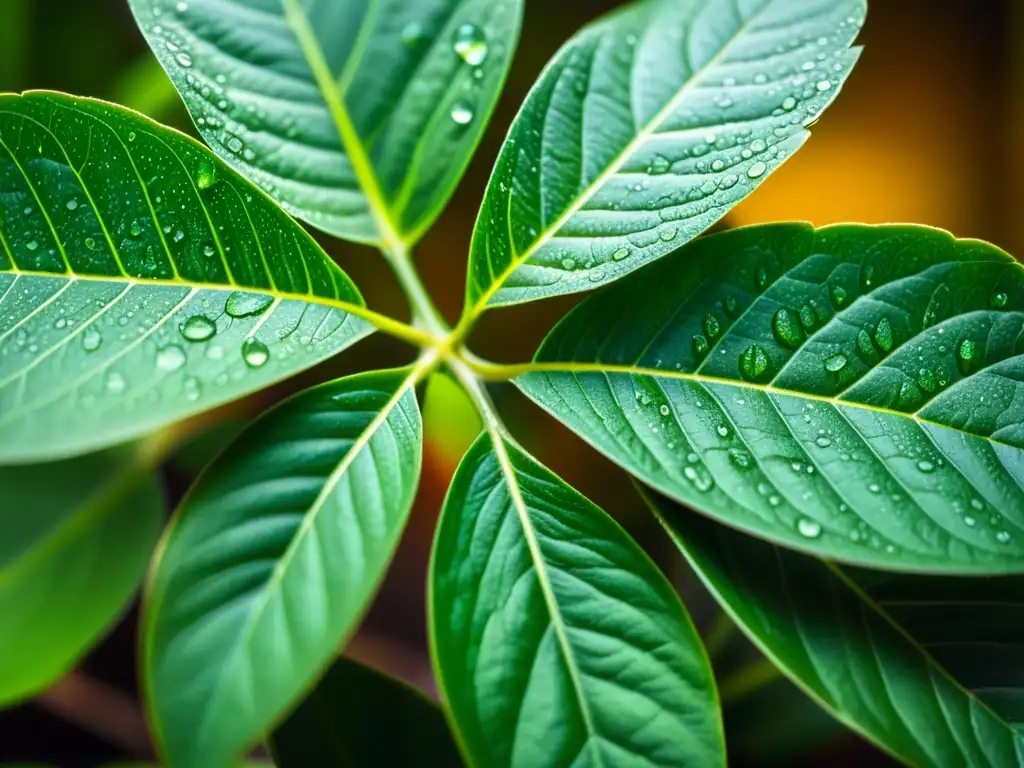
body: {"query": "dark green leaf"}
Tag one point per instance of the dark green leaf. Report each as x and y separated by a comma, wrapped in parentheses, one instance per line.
(647, 128)
(272, 560)
(556, 641)
(927, 668)
(358, 116)
(852, 391)
(339, 725)
(142, 280)
(75, 538)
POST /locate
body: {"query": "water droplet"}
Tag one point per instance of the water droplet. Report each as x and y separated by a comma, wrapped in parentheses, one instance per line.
(883, 335)
(824, 85)
(789, 104)
(135, 229)
(620, 254)
(757, 170)
(970, 522)
(91, 340)
(864, 345)
(182, 7)
(568, 264)
(244, 304)
(835, 363)
(198, 328)
(762, 277)
(131, 136)
(664, 410)
(999, 300)
(786, 328)
(209, 251)
(115, 383)
(808, 528)
(753, 362)
(740, 458)
(926, 466)
(702, 481)
(471, 44)
(235, 144)
(668, 235)
(462, 113)
(838, 294)
(255, 353)
(965, 354)
(72, 205)
(659, 165)
(1002, 537)
(206, 176)
(192, 389)
(170, 358)
(184, 59)
(700, 347)
(32, 245)
(711, 326)
(822, 442)
(179, 236)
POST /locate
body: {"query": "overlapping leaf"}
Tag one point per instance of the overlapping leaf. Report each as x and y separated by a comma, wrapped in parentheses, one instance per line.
(359, 117)
(647, 128)
(556, 641)
(273, 559)
(928, 668)
(75, 538)
(339, 724)
(855, 391)
(141, 280)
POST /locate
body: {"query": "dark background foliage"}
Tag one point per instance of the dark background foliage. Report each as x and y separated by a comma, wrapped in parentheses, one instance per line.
(928, 130)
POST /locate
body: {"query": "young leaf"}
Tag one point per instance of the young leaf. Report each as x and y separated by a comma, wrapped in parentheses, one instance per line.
(853, 391)
(272, 560)
(924, 667)
(339, 724)
(75, 538)
(556, 641)
(141, 280)
(359, 117)
(647, 128)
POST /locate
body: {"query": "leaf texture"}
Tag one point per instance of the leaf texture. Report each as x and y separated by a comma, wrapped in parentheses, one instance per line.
(645, 129)
(75, 539)
(272, 560)
(141, 280)
(891, 661)
(556, 641)
(339, 724)
(359, 117)
(855, 392)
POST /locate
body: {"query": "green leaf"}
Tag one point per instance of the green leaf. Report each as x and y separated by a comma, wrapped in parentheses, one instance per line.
(644, 130)
(927, 668)
(852, 391)
(142, 280)
(272, 560)
(339, 724)
(359, 117)
(75, 539)
(556, 641)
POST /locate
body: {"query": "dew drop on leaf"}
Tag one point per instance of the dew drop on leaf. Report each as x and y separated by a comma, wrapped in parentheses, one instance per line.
(620, 254)
(965, 354)
(999, 300)
(753, 362)
(808, 528)
(739, 458)
(471, 44)
(91, 340)
(711, 326)
(659, 165)
(192, 389)
(864, 345)
(757, 170)
(835, 363)
(255, 353)
(32, 245)
(462, 113)
(245, 304)
(926, 466)
(786, 328)
(90, 243)
(170, 358)
(838, 294)
(206, 176)
(883, 335)
(198, 328)
(135, 229)
(700, 347)
(1002, 537)
(115, 383)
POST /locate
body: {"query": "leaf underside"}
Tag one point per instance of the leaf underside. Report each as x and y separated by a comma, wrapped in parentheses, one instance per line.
(645, 129)
(272, 560)
(141, 280)
(927, 668)
(342, 112)
(556, 641)
(855, 392)
(60, 586)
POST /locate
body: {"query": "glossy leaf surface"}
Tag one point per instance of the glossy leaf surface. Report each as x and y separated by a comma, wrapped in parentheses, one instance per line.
(359, 117)
(647, 128)
(142, 280)
(272, 560)
(852, 391)
(556, 641)
(339, 724)
(75, 539)
(928, 668)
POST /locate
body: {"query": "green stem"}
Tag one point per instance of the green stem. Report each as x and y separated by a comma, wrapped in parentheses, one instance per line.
(424, 314)
(747, 680)
(720, 633)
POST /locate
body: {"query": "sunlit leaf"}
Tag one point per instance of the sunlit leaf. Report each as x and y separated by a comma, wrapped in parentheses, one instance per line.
(338, 724)
(142, 280)
(854, 391)
(359, 116)
(556, 641)
(647, 128)
(75, 538)
(927, 668)
(272, 560)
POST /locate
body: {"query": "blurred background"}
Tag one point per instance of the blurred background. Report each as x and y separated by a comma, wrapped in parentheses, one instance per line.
(927, 130)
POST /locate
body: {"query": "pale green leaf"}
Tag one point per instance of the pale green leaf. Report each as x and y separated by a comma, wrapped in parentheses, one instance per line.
(645, 129)
(339, 724)
(358, 116)
(272, 560)
(927, 668)
(855, 392)
(142, 280)
(556, 641)
(75, 538)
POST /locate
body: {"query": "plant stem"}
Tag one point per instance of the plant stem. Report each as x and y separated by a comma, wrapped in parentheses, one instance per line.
(720, 632)
(747, 680)
(424, 314)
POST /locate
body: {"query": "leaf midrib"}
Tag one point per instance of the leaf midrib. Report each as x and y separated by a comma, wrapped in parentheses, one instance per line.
(765, 388)
(642, 136)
